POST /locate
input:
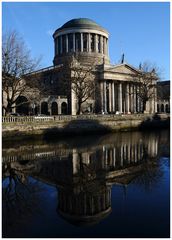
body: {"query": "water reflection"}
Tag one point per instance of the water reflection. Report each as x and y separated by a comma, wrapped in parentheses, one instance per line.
(83, 172)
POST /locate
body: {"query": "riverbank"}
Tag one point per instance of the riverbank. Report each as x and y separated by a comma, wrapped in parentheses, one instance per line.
(14, 128)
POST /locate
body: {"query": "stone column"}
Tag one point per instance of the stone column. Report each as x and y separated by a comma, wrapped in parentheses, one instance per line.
(101, 44)
(96, 43)
(81, 42)
(120, 97)
(110, 98)
(89, 42)
(73, 102)
(61, 49)
(67, 48)
(105, 98)
(49, 109)
(122, 160)
(104, 45)
(131, 98)
(134, 98)
(107, 47)
(75, 161)
(59, 108)
(114, 157)
(127, 99)
(113, 97)
(73, 42)
(138, 99)
(102, 97)
(155, 101)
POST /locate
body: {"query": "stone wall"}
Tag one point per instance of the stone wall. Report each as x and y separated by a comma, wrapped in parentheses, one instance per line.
(84, 125)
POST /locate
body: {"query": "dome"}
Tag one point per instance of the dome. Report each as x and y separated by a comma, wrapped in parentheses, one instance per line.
(81, 23)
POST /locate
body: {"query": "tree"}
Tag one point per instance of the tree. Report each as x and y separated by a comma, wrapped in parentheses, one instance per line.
(146, 81)
(16, 63)
(79, 79)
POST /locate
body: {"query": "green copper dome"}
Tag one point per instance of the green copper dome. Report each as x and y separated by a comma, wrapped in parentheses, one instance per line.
(81, 23)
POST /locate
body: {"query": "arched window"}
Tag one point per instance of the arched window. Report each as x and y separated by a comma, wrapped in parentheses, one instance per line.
(64, 108)
(44, 108)
(162, 107)
(54, 108)
(22, 105)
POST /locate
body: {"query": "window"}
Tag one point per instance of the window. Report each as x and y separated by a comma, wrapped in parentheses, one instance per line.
(85, 42)
(99, 43)
(64, 43)
(70, 42)
(78, 41)
(92, 42)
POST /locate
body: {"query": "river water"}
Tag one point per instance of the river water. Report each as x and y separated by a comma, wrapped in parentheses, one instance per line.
(113, 185)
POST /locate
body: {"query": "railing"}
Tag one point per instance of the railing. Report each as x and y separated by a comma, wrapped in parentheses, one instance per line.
(11, 119)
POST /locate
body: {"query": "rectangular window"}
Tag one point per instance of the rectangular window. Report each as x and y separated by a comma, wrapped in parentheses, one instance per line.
(85, 42)
(70, 42)
(92, 42)
(64, 43)
(99, 43)
(78, 41)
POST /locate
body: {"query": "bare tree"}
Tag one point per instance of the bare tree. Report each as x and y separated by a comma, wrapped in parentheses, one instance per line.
(146, 81)
(16, 62)
(79, 79)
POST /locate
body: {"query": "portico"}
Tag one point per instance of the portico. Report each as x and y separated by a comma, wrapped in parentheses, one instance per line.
(119, 97)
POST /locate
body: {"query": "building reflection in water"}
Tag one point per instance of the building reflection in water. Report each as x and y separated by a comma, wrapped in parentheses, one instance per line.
(84, 175)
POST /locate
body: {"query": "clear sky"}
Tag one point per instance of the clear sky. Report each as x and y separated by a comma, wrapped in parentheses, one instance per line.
(139, 29)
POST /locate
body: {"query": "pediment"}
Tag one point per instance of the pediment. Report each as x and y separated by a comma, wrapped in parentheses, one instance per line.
(123, 68)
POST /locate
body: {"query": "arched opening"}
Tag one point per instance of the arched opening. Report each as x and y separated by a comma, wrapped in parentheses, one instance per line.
(166, 108)
(162, 107)
(44, 108)
(158, 108)
(22, 105)
(54, 108)
(64, 108)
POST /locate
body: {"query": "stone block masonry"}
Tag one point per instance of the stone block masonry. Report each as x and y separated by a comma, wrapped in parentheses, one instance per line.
(30, 127)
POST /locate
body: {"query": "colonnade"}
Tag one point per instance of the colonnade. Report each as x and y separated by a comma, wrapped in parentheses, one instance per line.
(114, 157)
(118, 96)
(81, 42)
(85, 204)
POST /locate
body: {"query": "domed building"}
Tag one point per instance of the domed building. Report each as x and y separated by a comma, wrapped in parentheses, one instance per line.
(82, 36)
(116, 88)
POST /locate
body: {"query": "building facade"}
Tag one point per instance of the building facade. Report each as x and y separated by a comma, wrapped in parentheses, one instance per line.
(117, 87)
(163, 97)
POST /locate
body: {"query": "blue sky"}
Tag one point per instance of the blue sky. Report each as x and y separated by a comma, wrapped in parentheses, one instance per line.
(139, 29)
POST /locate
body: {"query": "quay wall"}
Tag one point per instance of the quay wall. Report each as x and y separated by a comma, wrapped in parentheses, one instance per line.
(24, 127)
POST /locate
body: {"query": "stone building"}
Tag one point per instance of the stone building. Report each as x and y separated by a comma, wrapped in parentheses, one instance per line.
(163, 97)
(117, 88)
